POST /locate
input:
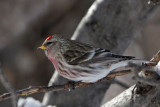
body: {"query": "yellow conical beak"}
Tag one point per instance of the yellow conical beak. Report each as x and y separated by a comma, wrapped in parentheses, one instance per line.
(42, 47)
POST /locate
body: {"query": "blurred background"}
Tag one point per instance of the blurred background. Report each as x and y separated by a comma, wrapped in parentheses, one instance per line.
(24, 26)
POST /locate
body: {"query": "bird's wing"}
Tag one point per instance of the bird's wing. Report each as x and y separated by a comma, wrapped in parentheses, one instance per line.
(105, 57)
(75, 57)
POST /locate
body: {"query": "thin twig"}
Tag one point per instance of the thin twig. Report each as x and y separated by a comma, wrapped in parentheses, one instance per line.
(8, 86)
(67, 86)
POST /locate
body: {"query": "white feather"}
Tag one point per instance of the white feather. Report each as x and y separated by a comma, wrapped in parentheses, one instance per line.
(93, 75)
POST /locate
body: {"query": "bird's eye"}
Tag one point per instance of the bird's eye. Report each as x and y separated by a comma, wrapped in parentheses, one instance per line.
(48, 43)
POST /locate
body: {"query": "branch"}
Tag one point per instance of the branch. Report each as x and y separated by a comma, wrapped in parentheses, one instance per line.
(8, 86)
(127, 99)
(144, 91)
(67, 86)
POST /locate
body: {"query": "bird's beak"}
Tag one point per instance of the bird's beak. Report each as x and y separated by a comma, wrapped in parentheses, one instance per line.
(42, 47)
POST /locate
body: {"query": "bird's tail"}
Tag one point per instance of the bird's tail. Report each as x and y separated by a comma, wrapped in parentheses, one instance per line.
(129, 64)
(140, 61)
(133, 62)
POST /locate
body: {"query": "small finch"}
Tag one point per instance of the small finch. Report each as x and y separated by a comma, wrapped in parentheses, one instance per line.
(81, 62)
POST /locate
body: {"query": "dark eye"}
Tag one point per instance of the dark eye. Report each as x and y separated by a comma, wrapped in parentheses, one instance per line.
(48, 43)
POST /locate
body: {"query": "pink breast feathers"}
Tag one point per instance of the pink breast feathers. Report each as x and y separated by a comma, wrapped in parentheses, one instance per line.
(54, 62)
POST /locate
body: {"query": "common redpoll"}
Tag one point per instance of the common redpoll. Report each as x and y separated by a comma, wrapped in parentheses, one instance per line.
(79, 61)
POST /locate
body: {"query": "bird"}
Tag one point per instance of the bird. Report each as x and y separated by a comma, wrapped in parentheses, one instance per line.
(81, 62)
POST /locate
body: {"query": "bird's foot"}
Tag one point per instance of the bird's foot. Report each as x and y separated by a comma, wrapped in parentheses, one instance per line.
(72, 85)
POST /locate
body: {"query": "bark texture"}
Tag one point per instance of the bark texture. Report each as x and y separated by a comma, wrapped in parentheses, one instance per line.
(110, 24)
(127, 99)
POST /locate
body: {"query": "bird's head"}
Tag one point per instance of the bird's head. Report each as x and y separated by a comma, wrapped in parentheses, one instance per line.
(52, 45)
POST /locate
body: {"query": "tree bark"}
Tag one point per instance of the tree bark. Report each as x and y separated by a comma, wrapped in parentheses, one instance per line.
(110, 24)
(128, 99)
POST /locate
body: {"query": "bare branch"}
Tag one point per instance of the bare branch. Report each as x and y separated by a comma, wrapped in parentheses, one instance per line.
(150, 77)
(67, 86)
(127, 99)
(8, 86)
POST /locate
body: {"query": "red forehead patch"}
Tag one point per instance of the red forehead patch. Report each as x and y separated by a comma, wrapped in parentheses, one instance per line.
(49, 37)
